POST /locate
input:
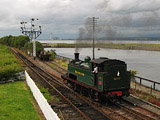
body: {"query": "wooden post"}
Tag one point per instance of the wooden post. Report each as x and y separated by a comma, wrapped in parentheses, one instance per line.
(154, 86)
(151, 89)
(140, 81)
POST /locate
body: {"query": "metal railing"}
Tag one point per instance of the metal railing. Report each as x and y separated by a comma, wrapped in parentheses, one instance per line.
(147, 83)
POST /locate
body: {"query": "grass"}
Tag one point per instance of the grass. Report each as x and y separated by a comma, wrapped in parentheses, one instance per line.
(9, 65)
(62, 62)
(62, 45)
(52, 65)
(128, 46)
(131, 46)
(145, 96)
(45, 93)
(16, 103)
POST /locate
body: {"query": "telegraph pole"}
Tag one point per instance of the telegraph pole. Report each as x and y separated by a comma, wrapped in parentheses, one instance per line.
(33, 32)
(93, 21)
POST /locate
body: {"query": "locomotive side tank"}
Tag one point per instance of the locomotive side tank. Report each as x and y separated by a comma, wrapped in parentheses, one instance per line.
(111, 80)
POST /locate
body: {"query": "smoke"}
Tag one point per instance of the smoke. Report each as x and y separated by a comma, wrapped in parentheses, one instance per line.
(84, 36)
(81, 37)
(86, 32)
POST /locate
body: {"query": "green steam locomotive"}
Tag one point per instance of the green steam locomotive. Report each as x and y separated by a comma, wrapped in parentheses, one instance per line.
(100, 79)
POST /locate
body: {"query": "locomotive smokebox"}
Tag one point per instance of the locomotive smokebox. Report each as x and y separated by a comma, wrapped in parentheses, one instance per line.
(76, 56)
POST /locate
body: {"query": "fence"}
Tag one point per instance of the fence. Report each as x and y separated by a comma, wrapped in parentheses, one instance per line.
(147, 83)
(42, 102)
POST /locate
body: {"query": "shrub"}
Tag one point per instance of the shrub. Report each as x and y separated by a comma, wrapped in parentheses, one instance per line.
(133, 72)
(29, 46)
(53, 54)
(14, 41)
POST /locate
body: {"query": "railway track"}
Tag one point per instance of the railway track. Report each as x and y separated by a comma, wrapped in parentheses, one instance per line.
(58, 68)
(67, 95)
(127, 111)
(85, 107)
(138, 110)
(134, 112)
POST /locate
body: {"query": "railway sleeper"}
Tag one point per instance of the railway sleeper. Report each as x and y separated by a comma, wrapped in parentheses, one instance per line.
(79, 105)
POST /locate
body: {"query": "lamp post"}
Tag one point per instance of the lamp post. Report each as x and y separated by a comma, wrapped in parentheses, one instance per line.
(33, 32)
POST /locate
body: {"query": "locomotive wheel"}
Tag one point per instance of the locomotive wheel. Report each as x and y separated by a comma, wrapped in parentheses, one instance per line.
(84, 91)
(91, 95)
(102, 100)
(71, 85)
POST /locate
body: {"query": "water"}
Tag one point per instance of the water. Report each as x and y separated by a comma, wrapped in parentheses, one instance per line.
(146, 63)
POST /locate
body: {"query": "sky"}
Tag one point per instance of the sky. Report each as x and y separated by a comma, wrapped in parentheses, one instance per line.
(69, 18)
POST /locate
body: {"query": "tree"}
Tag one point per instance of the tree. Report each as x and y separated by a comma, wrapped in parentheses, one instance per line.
(29, 46)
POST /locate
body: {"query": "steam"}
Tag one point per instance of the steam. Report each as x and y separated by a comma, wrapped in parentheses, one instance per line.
(85, 35)
(82, 35)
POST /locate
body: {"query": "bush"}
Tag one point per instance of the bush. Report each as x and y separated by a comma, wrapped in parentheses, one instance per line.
(29, 47)
(14, 41)
(21, 42)
(53, 54)
(133, 72)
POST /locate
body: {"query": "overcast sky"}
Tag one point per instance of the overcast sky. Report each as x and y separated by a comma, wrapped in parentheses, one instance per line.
(64, 18)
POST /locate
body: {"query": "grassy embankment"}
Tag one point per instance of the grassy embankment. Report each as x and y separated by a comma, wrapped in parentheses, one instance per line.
(9, 65)
(15, 97)
(16, 102)
(144, 93)
(131, 46)
(63, 45)
(146, 96)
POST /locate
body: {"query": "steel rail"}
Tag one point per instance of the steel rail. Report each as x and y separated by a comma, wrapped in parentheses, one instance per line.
(32, 66)
(136, 113)
(67, 100)
(50, 77)
(142, 116)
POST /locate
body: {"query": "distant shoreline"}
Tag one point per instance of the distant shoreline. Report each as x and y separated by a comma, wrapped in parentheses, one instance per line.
(101, 41)
(127, 46)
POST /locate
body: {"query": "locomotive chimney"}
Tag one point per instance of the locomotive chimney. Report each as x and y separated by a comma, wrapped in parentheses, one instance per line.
(76, 56)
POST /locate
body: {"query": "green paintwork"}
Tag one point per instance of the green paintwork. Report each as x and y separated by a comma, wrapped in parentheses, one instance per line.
(84, 75)
(87, 59)
(110, 84)
(100, 75)
(113, 75)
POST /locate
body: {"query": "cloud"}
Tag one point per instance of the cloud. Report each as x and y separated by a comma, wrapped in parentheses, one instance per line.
(131, 17)
(130, 6)
(64, 17)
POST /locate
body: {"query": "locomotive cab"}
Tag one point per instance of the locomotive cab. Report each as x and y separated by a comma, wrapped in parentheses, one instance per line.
(112, 76)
